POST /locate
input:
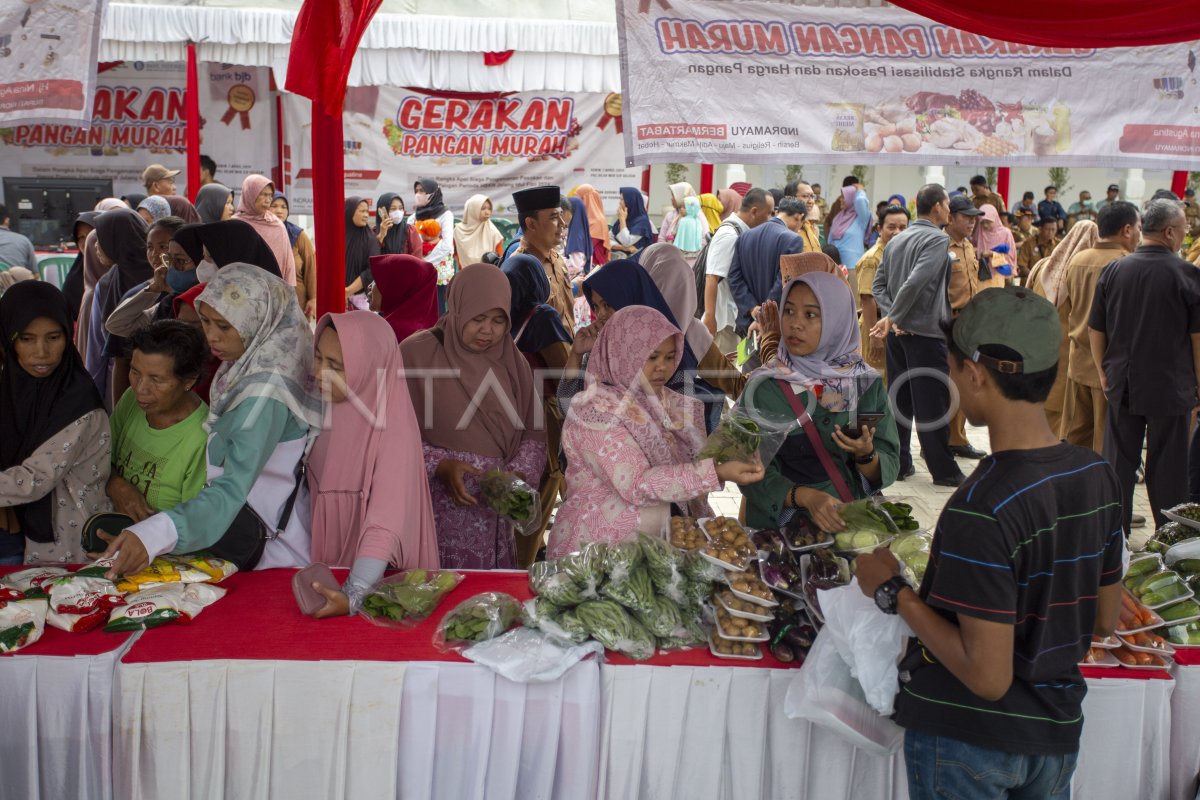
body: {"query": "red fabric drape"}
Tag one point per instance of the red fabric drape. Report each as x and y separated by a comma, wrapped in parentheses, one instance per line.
(329, 200)
(1067, 23)
(191, 110)
(1179, 182)
(1003, 174)
(706, 178)
(326, 35)
(497, 59)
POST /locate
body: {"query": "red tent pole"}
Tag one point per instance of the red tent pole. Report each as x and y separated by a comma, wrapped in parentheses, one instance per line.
(191, 110)
(1179, 182)
(328, 165)
(706, 178)
(1002, 177)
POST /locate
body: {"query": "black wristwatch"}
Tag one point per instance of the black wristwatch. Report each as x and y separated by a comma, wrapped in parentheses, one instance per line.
(887, 595)
(862, 461)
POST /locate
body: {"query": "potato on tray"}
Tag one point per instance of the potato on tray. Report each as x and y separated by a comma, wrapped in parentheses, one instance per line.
(686, 534)
(751, 588)
(743, 608)
(736, 628)
(723, 648)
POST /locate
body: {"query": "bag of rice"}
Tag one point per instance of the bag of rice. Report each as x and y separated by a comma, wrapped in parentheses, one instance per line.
(78, 604)
(170, 602)
(21, 623)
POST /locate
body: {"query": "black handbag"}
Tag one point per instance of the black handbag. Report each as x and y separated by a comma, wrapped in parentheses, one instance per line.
(985, 268)
(246, 537)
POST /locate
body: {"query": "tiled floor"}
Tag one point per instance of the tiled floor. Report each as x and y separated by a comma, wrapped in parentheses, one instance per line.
(926, 499)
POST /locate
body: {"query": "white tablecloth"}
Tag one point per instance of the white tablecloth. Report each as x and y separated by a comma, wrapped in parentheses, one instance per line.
(721, 733)
(1185, 733)
(354, 730)
(56, 713)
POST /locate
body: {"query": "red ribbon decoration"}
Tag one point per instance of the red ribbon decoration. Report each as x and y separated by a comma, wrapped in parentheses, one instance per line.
(604, 120)
(497, 59)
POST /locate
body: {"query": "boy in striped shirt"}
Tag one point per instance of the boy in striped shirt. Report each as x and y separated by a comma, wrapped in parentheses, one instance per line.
(1025, 567)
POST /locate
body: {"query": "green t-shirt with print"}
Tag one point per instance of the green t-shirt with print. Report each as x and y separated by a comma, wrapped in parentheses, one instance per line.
(167, 466)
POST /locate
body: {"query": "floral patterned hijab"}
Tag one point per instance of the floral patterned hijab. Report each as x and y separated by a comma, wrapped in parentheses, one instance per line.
(277, 362)
(616, 394)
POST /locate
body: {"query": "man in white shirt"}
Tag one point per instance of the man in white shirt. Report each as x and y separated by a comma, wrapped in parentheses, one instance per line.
(720, 311)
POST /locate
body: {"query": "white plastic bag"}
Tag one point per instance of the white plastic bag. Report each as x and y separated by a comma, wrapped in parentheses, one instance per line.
(524, 655)
(870, 641)
(824, 693)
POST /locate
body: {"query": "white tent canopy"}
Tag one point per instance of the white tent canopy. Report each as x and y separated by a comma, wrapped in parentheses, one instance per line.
(555, 49)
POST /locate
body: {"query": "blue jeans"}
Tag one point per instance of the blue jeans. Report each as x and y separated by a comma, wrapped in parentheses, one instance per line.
(940, 768)
(12, 561)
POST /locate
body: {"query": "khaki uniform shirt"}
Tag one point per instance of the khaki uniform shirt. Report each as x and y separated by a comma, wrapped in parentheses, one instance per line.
(1032, 251)
(561, 298)
(994, 199)
(1075, 299)
(964, 275)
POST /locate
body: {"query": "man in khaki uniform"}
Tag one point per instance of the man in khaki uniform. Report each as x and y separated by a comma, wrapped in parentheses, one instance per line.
(540, 218)
(1024, 230)
(1086, 408)
(1035, 248)
(982, 194)
(963, 285)
(892, 220)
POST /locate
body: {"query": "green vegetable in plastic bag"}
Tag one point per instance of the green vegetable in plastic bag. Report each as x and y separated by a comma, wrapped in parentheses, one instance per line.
(635, 592)
(477, 619)
(612, 627)
(548, 580)
(586, 568)
(406, 598)
(665, 565)
(544, 615)
(621, 558)
(736, 438)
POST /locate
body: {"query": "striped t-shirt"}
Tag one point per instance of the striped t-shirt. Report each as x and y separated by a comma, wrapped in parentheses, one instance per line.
(1027, 540)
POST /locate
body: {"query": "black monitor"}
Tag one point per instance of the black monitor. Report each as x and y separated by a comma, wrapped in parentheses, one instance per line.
(44, 209)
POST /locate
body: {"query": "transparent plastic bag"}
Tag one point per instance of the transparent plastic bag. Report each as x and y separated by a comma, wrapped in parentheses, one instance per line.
(621, 558)
(609, 624)
(477, 619)
(525, 655)
(512, 498)
(22, 622)
(665, 565)
(543, 615)
(870, 642)
(635, 591)
(825, 693)
(547, 579)
(406, 598)
(586, 568)
(868, 526)
(745, 431)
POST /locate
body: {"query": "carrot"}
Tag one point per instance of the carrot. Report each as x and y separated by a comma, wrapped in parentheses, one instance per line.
(1144, 659)
(1142, 640)
(1124, 656)
(1155, 660)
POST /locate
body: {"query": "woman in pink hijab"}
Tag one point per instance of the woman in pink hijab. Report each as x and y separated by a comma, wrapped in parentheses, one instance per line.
(989, 235)
(254, 207)
(366, 474)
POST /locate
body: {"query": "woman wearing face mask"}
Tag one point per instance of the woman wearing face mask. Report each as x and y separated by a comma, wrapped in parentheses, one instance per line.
(427, 199)
(304, 253)
(54, 439)
(254, 208)
(158, 437)
(361, 245)
(632, 443)
(214, 203)
(477, 235)
(213, 246)
(370, 494)
(395, 235)
(464, 437)
(819, 371)
(261, 415)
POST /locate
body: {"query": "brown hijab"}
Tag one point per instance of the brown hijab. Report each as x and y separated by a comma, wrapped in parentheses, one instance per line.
(504, 415)
(793, 265)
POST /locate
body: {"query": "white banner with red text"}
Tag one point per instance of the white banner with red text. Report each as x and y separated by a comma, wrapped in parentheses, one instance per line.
(48, 54)
(138, 119)
(490, 144)
(766, 82)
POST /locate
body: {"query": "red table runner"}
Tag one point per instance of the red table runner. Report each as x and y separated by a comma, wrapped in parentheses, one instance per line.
(1187, 656)
(259, 619)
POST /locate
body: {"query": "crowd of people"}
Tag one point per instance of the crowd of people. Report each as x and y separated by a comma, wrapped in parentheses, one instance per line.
(181, 380)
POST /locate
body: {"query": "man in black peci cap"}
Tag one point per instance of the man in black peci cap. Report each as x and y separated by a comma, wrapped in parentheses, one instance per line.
(1025, 567)
(540, 218)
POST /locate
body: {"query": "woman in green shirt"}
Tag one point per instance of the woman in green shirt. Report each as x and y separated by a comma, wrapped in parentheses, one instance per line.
(262, 413)
(819, 362)
(158, 438)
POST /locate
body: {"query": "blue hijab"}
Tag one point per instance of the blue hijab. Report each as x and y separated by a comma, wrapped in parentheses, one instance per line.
(637, 220)
(542, 325)
(579, 240)
(624, 283)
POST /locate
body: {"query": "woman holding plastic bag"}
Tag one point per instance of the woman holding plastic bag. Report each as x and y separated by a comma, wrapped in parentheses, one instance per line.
(254, 508)
(632, 444)
(818, 376)
(468, 433)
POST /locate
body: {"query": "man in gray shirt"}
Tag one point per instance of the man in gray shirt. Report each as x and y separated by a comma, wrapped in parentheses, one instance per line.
(910, 288)
(15, 249)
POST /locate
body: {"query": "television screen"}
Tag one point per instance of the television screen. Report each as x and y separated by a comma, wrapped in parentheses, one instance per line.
(44, 209)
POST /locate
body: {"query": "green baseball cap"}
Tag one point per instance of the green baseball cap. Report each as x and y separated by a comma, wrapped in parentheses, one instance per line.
(1016, 318)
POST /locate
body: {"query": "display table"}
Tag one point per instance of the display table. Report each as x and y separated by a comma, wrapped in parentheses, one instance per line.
(254, 699)
(1185, 725)
(56, 705)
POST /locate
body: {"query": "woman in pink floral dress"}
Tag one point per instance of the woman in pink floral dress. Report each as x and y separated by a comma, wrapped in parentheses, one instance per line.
(475, 402)
(631, 443)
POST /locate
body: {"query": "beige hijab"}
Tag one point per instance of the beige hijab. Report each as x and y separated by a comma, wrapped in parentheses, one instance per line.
(474, 237)
(1082, 236)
